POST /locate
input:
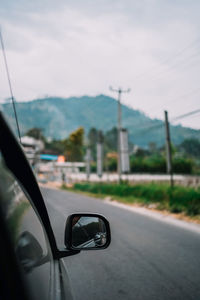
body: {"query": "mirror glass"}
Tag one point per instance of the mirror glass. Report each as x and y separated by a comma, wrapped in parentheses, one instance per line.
(88, 232)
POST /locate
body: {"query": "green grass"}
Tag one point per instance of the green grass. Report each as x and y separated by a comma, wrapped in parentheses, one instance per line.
(177, 199)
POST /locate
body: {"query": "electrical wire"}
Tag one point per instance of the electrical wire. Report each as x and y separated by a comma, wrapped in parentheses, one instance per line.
(168, 59)
(183, 64)
(185, 115)
(146, 129)
(196, 91)
(9, 83)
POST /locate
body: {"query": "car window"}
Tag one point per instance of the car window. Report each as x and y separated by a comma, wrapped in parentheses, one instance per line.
(26, 233)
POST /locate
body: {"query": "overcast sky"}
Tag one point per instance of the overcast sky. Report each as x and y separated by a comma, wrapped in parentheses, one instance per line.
(75, 48)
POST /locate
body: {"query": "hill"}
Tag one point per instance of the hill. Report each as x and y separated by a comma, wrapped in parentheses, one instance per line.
(60, 116)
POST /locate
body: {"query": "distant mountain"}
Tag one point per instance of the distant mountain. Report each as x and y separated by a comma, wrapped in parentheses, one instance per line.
(58, 117)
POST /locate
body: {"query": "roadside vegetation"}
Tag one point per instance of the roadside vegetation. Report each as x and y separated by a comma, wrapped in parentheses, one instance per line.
(152, 159)
(176, 200)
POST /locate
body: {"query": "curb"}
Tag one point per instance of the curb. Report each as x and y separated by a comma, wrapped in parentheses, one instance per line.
(157, 215)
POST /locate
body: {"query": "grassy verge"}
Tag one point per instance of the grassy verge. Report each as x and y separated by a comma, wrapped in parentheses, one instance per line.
(176, 200)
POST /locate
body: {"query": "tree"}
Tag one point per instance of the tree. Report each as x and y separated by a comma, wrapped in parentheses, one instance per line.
(36, 133)
(92, 140)
(111, 139)
(94, 136)
(191, 147)
(55, 147)
(152, 147)
(74, 145)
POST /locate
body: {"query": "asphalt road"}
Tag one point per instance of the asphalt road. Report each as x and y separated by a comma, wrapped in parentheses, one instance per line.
(147, 258)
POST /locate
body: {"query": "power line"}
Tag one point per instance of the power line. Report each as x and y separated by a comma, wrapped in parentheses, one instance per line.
(197, 115)
(147, 128)
(157, 126)
(178, 98)
(182, 51)
(186, 95)
(168, 59)
(9, 83)
(186, 115)
(183, 64)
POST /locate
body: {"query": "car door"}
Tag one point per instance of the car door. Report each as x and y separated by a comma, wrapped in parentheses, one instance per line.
(28, 237)
(31, 265)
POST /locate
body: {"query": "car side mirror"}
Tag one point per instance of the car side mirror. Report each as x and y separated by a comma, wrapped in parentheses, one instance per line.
(86, 231)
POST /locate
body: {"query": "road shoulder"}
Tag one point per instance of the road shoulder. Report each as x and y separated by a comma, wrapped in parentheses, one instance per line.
(158, 215)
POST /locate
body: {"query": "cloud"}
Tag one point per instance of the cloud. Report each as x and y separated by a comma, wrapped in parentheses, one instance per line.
(83, 47)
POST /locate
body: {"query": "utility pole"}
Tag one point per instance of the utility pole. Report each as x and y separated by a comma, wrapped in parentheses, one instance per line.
(119, 91)
(125, 163)
(100, 154)
(168, 149)
(88, 159)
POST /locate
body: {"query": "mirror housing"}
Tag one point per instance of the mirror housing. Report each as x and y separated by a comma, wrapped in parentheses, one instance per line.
(86, 231)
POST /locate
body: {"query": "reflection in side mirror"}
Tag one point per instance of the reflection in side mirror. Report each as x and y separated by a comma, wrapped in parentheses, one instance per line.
(29, 252)
(87, 232)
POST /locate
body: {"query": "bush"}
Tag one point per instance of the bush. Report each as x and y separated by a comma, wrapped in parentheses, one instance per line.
(149, 164)
(112, 164)
(178, 199)
(182, 165)
(93, 167)
(157, 164)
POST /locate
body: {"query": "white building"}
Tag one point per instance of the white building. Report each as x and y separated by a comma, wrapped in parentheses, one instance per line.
(32, 148)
